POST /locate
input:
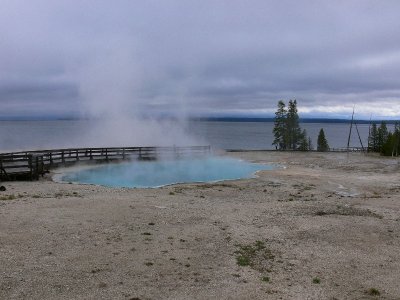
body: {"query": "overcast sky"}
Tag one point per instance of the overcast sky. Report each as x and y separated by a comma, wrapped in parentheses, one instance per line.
(200, 57)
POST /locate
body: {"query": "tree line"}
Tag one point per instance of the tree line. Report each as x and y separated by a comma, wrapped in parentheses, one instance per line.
(288, 134)
(383, 141)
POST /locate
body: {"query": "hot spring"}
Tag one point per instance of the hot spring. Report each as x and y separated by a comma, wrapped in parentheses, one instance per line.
(150, 174)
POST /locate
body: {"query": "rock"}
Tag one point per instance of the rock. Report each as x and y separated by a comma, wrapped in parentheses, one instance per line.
(2, 188)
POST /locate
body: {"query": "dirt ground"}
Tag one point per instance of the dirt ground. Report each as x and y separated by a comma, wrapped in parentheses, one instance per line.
(326, 226)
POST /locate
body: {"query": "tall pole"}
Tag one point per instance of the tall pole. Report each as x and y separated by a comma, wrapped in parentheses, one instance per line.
(351, 125)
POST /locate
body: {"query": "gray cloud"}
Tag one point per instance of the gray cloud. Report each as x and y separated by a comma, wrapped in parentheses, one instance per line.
(205, 57)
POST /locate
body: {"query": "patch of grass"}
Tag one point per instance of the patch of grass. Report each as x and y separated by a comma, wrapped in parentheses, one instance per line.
(148, 263)
(171, 193)
(316, 280)
(243, 260)
(265, 279)
(373, 292)
(253, 255)
(146, 233)
(343, 210)
(216, 185)
(151, 224)
(8, 197)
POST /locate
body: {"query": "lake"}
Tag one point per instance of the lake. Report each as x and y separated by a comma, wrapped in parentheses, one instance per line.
(31, 135)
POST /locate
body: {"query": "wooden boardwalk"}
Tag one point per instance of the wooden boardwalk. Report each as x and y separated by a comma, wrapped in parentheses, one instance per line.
(31, 164)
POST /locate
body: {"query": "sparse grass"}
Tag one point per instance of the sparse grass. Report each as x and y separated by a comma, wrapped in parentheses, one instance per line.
(343, 210)
(243, 260)
(265, 279)
(216, 185)
(66, 194)
(373, 292)
(316, 280)
(253, 255)
(8, 197)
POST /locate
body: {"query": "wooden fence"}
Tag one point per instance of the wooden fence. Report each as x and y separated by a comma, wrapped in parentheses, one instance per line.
(32, 164)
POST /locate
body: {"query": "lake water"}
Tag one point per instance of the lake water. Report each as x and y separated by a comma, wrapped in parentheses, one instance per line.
(149, 174)
(30, 135)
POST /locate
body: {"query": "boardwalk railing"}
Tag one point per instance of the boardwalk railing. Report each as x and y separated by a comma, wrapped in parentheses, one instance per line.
(350, 149)
(32, 164)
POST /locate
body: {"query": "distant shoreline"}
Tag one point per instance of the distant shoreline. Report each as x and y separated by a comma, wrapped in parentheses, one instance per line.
(217, 119)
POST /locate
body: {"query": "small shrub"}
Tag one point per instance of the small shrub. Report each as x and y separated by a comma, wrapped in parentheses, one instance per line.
(373, 292)
(316, 280)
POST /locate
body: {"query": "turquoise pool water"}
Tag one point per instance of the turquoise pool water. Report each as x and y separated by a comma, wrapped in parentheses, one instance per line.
(150, 174)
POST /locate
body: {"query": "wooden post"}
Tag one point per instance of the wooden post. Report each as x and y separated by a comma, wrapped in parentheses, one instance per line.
(30, 166)
(351, 125)
(37, 167)
(62, 157)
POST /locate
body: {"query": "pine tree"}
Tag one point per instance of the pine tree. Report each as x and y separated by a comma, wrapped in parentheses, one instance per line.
(373, 139)
(279, 130)
(322, 143)
(382, 137)
(310, 145)
(396, 142)
(292, 125)
(304, 145)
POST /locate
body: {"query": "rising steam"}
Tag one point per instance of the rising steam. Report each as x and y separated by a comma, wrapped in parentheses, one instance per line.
(112, 88)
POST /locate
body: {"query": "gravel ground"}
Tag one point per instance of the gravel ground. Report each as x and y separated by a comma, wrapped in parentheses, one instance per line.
(327, 226)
